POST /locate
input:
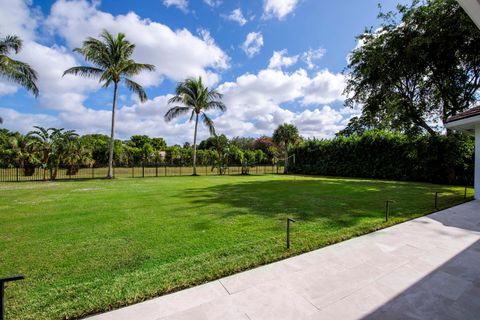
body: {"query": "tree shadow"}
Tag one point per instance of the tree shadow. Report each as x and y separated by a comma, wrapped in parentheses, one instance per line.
(340, 202)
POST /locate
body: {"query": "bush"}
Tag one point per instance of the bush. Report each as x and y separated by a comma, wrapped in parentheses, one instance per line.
(384, 155)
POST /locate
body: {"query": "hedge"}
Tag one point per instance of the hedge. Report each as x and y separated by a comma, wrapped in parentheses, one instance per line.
(385, 155)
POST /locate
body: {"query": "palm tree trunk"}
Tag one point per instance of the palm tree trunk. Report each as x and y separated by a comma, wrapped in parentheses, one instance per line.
(285, 170)
(195, 147)
(112, 133)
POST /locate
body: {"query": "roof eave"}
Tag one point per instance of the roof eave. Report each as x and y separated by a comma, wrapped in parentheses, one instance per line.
(472, 7)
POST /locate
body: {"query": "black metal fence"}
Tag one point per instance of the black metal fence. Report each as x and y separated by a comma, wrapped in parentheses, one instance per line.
(139, 171)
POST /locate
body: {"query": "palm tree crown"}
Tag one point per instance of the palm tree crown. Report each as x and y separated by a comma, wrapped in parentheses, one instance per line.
(195, 99)
(112, 64)
(285, 134)
(14, 70)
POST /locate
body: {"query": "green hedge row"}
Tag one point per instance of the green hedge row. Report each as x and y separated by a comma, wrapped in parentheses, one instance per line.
(384, 155)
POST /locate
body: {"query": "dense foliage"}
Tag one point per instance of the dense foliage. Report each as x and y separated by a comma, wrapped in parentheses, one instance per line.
(382, 155)
(54, 148)
(418, 69)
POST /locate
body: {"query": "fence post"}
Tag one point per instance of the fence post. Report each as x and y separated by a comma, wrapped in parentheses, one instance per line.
(180, 170)
(165, 169)
(143, 170)
(93, 172)
(17, 175)
(133, 170)
(156, 168)
(206, 170)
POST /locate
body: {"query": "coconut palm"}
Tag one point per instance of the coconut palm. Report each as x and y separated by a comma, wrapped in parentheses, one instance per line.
(195, 99)
(14, 70)
(284, 135)
(111, 57)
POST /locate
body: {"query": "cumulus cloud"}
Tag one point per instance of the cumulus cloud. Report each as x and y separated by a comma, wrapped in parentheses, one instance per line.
(280, 59)
(176, 54)
(278, 8)
(236, 16)
(256, 103)
(253, 44)
(312, 55)
(180, 4)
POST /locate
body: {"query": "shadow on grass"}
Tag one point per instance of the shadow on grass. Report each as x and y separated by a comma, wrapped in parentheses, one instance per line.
(340, 202)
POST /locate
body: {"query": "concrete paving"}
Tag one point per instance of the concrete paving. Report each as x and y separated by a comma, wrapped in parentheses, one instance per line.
(427, 268)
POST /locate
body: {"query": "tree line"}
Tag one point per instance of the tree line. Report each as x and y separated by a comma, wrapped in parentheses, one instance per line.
(52, 149)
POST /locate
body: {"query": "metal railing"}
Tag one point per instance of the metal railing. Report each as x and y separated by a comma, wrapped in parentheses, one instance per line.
(138, 171)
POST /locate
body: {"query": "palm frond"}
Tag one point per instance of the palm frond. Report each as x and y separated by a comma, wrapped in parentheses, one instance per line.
(84, 71)
(132, 68)
(136, 88)
(10, 42)
(19, 72)
(209, 123)
(176, 112)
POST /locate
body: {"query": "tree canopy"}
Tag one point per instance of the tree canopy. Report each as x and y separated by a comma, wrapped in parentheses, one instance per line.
(421, 67)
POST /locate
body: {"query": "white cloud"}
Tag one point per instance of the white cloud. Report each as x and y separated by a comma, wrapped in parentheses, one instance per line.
(256, 103)
(213, 3)
(6, 87)
(237, 16)
(176, 54)
(180, 4)
(24, 122)
(324, 87)
(16, 18)
(253, 43)
(278, 8)
(312, 55)
(280, 59)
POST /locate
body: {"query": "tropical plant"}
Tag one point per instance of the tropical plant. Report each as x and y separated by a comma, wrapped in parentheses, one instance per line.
(14, 70)
(16, 151)
(75, 156)
(111, 57)
(195, 99)
(284, 135)
(51, 145)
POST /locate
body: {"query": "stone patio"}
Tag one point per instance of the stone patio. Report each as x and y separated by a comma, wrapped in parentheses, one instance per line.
(427, 268)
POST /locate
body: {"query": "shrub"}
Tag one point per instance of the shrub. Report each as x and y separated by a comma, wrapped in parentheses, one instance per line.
(385, 155)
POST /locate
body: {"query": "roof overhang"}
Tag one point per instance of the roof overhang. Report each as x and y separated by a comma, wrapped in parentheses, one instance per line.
(472, 7)
(466, 125)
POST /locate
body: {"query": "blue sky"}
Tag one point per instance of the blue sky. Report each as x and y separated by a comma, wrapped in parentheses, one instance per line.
(275, 60)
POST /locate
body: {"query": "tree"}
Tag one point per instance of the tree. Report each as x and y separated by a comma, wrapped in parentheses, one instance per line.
(52, 145)
(195, 99)
(284, 135)
(14, 70)
(111, 57)
(415, 70)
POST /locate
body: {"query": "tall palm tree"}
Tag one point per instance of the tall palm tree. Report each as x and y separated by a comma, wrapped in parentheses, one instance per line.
(112, 64)
(195, 99)
(284, 135)
(14, 70)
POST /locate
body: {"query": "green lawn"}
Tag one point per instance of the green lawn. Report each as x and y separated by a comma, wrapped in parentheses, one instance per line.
(91, 246)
